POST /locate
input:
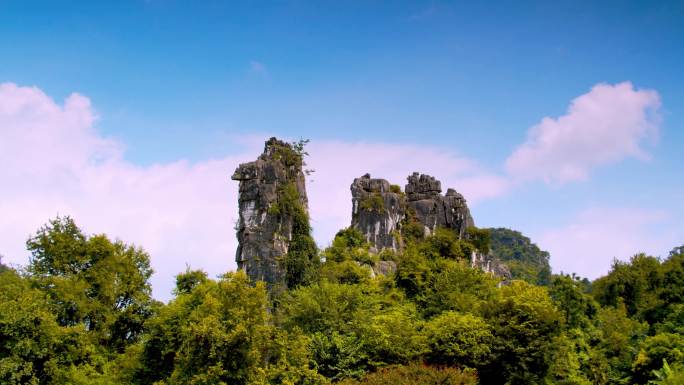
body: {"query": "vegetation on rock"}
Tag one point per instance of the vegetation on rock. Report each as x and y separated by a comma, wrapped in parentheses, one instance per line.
(524, 258)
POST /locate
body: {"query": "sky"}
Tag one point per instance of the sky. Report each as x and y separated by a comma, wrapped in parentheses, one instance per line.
(562, 120)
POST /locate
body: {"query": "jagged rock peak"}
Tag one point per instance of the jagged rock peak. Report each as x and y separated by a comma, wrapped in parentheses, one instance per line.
(371, 185)
(377, 210)
(422, 184)
(434, 210)
(263, 231)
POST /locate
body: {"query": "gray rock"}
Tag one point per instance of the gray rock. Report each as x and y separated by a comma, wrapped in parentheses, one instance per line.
(435, 210)
(379, 214)
(377, 211)
(490, 264)
(263, 235)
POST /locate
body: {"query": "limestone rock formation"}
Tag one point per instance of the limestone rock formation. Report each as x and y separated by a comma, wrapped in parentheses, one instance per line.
(377, 211)
(490, 264)
(434, 210)
(263, 229)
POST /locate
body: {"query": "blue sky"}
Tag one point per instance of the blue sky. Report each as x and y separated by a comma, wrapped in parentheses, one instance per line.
(198, 82)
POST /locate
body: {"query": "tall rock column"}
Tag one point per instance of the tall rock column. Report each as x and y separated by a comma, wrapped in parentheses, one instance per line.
(273, 210)
(377, 211)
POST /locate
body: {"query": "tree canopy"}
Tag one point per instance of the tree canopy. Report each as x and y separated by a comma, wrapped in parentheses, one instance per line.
(81, 313)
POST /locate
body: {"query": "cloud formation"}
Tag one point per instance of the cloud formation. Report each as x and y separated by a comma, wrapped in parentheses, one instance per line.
(605, 125)
(589, 243)
(53, 161)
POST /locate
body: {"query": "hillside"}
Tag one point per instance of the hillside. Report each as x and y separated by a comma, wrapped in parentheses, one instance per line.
(523, 257)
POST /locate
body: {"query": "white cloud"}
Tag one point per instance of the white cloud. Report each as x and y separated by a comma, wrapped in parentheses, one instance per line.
(603, 126)
(53, 161)
(588, 245)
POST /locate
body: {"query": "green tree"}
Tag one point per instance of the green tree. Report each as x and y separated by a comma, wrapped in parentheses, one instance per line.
(456, 286)
(458, 340)
(392, 336)
(480, 238)
(671, 291)
(668, 375)
(568, 295)
(674, 321)
(302, 260)
(635, 283)
(524, 258)
(34, 348)
(653, 351)
(92, 281)
(567, 362)
(350, 272)
(417, 374)
(444, 243)
(355, 328)
(338, 356)
(188, 280)
(221, 332)
(619, 341)
(348, 244)
(525, 323)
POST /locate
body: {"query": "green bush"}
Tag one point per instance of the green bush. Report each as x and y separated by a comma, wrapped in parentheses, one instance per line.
(479, 238)
(653, 351)
(302, 261)
(444, 243)
(373, 203)
(458, 340)
(412, 231)
(524, 322)
(350, 272)
(415, 374)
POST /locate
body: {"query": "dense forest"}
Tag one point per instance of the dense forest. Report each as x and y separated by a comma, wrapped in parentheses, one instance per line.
(81, 312)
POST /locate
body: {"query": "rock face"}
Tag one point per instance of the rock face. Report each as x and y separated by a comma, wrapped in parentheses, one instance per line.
(490, 264)
(434, 210)
(379, 210)
(263, 232)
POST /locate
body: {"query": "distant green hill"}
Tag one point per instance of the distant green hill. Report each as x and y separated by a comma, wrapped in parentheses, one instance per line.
(524, 258)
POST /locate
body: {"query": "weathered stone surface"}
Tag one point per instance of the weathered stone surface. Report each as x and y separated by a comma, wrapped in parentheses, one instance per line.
(377, 211)
(379, 214)
(435, 210)
(263, 234)
(490, 264)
